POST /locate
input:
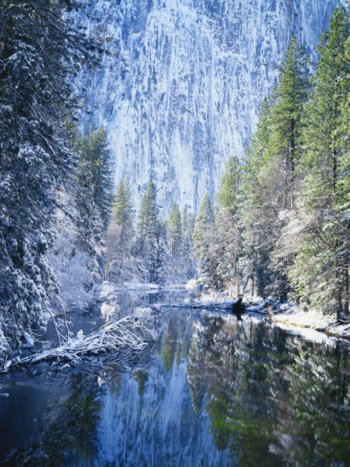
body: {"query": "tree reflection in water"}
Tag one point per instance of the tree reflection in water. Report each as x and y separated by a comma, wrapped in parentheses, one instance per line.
(215, 391)
(69, 429)
(271, 397)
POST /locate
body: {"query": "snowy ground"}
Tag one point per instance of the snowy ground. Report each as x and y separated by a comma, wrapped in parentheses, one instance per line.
(311, 324)
(313, 320)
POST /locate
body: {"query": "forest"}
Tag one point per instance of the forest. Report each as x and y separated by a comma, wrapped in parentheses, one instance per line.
(279, 225)
(284, 209)
(144, 196)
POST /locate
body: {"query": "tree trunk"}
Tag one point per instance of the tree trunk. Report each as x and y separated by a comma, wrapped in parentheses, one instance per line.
(346, 290)
(253, 286)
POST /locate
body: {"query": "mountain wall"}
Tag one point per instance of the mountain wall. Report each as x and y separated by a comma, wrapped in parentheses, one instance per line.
(182, 85)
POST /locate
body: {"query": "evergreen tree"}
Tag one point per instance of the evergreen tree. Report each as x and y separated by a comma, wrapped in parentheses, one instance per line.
(119, 265)
(204, 246)
(321, 272)
(175, 242)
(228, 195)
(270, 177)
(95, 170)
(286, 128)
(94, 194)
(39, 54)
(228, 243)
(187, 222)
(122, 211)
(261, 203)
(150, 248)
(180, 242)
(175, 230)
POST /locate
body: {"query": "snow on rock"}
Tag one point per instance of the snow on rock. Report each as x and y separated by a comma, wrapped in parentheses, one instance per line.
(140, 311)
(314, 319)
(312, 325)
(180, 91)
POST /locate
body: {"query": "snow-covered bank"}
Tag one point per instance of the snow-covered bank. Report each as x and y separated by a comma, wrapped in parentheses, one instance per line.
(312, 320)
(289, 317)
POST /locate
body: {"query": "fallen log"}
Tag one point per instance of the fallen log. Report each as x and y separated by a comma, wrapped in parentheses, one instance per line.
(127, 334)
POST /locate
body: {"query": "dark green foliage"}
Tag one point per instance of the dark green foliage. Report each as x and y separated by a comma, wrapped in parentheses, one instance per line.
(122, 211)
(321, 272)
(217, 242)
(228, 196)
(94, 191)
(90, 199)
(175, 230)
(187, 222)
(289, 212)
(271, 177)
(121, 236)
(180, 230)
(286, 128)
(94, 172)
(228, 238)
(158, 252)
(203, 234)
(39, 53)
(257, 383)
(150, 248)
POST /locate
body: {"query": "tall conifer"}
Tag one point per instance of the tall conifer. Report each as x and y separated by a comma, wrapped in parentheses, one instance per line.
(321, 273)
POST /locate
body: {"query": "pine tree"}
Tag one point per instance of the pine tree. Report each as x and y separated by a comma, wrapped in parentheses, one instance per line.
(187, 222)
(39, 54)
(175, 242)
(270, 177)
(228, 195)
(286, 127)
(260, 206)
(228, 243)
(95, 170)
(122, 211)
(148, 218)
(175, 231)
(94, 194)
(151, 238)
(204, 246)
(119, 265)
(321, 272)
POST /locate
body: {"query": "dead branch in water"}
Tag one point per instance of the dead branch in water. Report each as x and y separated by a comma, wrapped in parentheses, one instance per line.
(129, 333)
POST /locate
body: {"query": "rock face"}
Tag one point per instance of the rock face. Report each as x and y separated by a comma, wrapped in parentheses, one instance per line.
(181, 89)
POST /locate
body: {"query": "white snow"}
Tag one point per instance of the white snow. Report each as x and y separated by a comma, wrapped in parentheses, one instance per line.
(181, 89)
(74, 268)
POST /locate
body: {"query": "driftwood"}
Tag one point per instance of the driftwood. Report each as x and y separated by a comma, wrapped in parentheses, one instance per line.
(129, 334)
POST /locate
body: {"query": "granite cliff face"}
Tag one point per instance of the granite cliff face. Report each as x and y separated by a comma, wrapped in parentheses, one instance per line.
(181, 89)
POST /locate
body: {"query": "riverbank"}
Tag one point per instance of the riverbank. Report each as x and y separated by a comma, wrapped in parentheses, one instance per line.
(286, 316)
(204, 393)
(311, 319)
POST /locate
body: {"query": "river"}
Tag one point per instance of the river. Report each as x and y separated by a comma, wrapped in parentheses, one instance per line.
(213, 391)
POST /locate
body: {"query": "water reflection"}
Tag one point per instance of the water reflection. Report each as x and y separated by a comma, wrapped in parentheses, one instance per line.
(272, 399)
(215, 391)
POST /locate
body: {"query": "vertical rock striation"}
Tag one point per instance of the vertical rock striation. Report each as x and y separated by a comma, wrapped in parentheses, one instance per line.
(181, 89)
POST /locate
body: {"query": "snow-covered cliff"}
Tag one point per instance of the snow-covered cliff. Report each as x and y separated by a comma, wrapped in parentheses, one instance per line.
(180, 91)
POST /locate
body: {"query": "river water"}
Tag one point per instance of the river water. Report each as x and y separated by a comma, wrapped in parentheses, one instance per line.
(213, 391)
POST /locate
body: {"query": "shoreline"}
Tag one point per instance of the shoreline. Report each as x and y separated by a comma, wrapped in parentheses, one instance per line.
(287, 316)
(311, 320)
